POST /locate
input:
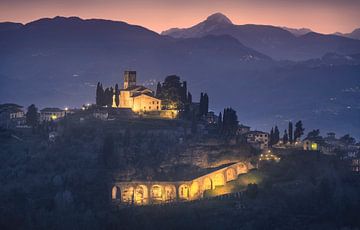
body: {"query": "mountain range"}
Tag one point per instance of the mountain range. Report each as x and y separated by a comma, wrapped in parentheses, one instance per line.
(355, 34)
(58, 61)
(273, 41)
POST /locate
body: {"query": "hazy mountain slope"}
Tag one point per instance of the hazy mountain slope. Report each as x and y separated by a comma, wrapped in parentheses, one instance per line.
(270, 40)
(355, 34)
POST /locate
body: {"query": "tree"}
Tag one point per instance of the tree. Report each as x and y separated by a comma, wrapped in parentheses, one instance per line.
(290, 132)
(229, 123)
(32, 118)
(271, 142)
(299, 130)
(117, 93)
(313, 135)
(158, 90)
(189, 98)
(347, 140)
(206, 104)
(276, 135)
(99, 95)
(285, 137)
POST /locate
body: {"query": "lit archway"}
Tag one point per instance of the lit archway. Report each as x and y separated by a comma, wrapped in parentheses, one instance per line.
(241, 168)
(207, 184)
(115, 193)
(194, 189)
(184, 192)
(218, 180)
(157, 193)
(141, 195)
(170, 193)
(128, 195)
(230, 174)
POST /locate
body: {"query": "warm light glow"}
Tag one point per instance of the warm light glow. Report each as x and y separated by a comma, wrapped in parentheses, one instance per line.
(314, 146)
(53, 117)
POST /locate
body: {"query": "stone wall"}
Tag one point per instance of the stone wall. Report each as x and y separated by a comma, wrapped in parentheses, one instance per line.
(155, 192)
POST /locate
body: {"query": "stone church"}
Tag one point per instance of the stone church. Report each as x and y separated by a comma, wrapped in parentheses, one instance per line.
(136, 97)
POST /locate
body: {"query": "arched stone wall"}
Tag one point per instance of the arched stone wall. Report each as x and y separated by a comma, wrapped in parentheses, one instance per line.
(184, 192)
(218, 180)
(141, 195)
(241, 168)
(170, 193)
(230, 174)
(157, 193)
(148, 192)
(194, 190)
(127, 195)
(116, 193)
(207, 184)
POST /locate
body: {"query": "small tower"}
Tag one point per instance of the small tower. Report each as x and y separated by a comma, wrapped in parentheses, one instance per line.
(129, 79)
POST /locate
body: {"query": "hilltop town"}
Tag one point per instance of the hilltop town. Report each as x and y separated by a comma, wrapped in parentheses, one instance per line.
(137, 146)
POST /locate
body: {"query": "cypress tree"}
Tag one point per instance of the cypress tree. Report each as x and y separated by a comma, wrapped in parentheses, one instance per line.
(158, 90)
(117, 93)
(271, 142)
(189, 98)
(299, 130)
(276, 135)
(290, 132)
(206, 104)
(285, 137)
(32, 118)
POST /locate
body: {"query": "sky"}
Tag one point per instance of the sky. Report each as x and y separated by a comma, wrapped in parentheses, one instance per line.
(324, 16)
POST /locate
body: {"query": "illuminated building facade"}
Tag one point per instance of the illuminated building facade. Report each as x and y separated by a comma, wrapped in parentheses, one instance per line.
(51, 114)
(155, 192)
(136, 97)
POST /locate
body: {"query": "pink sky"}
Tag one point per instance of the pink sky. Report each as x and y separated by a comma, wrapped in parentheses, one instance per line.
(325, 16)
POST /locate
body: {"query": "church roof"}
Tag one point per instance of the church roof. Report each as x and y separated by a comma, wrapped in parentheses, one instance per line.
(136, 88)
(146, 94)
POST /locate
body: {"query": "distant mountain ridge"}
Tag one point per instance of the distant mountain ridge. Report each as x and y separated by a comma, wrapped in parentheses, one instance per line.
(355, 34)
(298, 32)
(273, 41)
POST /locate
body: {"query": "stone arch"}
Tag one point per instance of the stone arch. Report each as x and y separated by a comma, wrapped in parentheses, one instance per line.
(241, 168)
(157, 193)
(218, 180)
(115, 193)
(141, 195)
(207, 184)
(230, 174)
(127, 195)
(194, 189)
(184, 192)
(170, 193)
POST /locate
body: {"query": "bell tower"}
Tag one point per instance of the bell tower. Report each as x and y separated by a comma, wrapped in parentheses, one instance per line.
(129, 79)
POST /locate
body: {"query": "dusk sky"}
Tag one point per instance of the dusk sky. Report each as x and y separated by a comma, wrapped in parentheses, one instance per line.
(325, 16)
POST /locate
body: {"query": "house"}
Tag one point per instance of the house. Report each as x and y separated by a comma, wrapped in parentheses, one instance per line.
(258, 139)
(11, 115)
(242, 129)
(51, 114)
(101, 114)
(136, 97)
(310, 145)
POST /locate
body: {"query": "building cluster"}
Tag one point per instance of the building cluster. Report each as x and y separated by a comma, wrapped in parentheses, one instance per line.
(13, 115)
(136, 97)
